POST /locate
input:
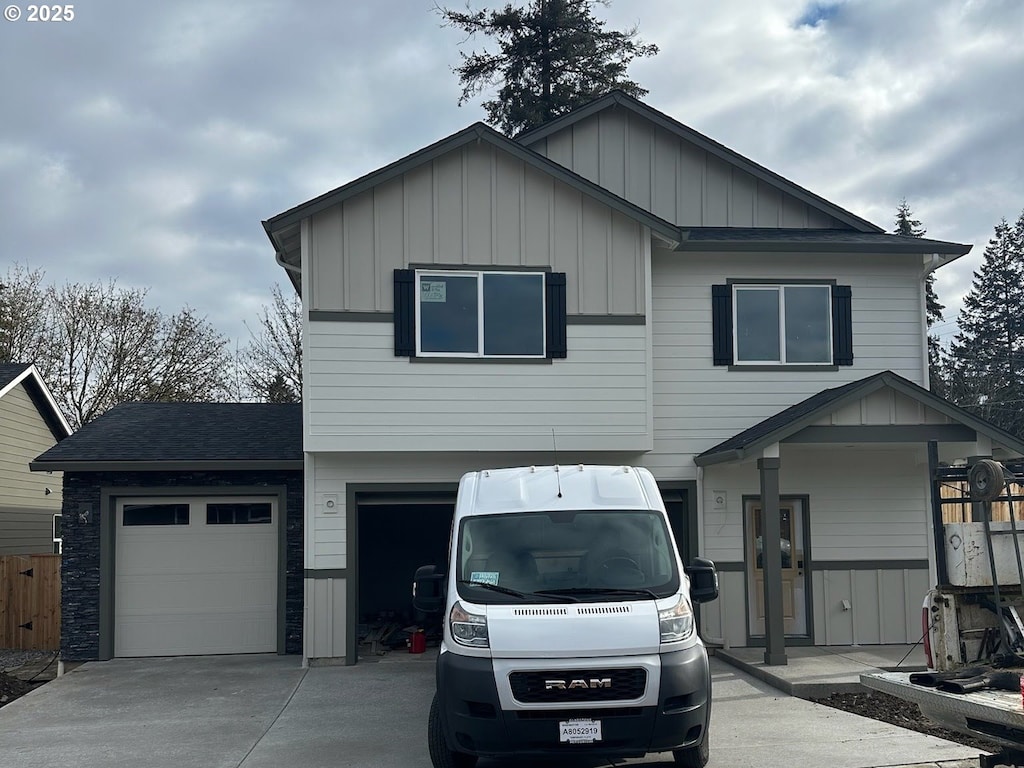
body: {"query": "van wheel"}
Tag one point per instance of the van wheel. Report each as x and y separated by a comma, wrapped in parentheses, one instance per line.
(440, 755)
(695, 756)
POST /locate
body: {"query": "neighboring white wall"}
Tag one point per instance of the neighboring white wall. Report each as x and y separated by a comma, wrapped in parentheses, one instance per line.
(671, 177)
(479, 206)
(360, 397)
(698, 404)
(26, 510)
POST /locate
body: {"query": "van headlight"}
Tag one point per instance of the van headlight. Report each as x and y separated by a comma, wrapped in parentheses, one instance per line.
(468, 628)
(676, 622)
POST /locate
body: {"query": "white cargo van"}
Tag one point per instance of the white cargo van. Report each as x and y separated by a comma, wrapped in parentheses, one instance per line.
(568, 621)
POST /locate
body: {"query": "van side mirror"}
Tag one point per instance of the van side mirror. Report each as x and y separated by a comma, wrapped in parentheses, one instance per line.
(428, 589)
(703, 580)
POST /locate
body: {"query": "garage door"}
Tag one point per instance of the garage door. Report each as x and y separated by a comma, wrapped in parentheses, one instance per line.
(195, 576)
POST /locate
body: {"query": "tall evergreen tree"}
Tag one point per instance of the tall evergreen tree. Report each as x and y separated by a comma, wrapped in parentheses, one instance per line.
(988, 354)
(553, 56)
(908, 226)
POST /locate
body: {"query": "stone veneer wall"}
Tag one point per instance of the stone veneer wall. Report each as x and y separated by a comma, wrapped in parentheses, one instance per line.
(80, 567)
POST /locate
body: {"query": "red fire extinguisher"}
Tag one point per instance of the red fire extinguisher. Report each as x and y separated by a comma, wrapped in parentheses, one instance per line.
(418, 642)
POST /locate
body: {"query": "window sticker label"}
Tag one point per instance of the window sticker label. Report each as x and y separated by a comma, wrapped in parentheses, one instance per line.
(434, 291)
(484, 577)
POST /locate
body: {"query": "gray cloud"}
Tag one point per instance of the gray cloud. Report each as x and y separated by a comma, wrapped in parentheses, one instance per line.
(146, 141)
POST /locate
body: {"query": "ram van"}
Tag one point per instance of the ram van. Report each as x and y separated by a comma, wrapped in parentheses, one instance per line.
(568, 621)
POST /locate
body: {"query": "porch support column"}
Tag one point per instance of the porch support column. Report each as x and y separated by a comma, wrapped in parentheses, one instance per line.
(771, 554)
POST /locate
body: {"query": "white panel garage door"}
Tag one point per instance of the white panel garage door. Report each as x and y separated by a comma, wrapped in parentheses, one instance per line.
(195, 576)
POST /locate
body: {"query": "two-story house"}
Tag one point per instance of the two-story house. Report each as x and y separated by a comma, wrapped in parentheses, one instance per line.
(615, 287)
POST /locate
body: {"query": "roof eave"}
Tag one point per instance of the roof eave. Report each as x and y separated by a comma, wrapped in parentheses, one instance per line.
(954, 250)
(155, 465)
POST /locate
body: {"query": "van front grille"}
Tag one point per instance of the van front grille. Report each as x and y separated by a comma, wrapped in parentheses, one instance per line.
(578, 685)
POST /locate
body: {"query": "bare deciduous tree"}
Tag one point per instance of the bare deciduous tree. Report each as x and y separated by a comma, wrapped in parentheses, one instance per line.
(24, 320)
(98, 345)
(271, 366)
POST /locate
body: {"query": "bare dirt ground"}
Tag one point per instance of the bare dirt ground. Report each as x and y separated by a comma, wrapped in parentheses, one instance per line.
(889, 709)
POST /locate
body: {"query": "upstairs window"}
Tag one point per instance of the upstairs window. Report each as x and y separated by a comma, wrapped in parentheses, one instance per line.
(758, 324)
(782, 324)
(479, 313)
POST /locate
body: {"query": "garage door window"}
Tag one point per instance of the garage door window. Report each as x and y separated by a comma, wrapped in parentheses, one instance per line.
(238, 514)
(155, 514)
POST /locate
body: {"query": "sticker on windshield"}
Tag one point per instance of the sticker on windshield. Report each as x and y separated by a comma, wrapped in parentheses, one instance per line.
(484, 577)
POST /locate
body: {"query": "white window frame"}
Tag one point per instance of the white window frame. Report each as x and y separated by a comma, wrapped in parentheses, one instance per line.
(478, 274)
(780, 289)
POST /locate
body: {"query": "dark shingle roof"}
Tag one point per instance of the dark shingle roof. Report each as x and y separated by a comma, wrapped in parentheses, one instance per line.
(791, 420)
(844, 240)
(10, 371)
(184, 433)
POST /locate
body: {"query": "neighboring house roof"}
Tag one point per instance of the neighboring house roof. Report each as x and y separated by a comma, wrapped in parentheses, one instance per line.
(180, 436)
(750, 442)
(818, 240)
(26, 374)
(618, 99)
(282, 229)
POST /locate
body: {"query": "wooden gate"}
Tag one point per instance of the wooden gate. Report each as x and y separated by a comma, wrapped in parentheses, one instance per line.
(30, 602)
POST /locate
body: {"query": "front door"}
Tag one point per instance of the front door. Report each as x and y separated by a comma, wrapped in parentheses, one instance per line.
(794, 582)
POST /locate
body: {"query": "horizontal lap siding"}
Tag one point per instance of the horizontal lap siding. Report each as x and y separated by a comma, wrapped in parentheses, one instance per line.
(24, 503)
(697, 404)
(360, 397)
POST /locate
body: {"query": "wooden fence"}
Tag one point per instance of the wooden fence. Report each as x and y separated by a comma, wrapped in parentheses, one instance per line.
(30, 602)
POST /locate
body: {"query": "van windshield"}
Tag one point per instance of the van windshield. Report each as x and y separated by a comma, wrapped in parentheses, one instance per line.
(588, 555)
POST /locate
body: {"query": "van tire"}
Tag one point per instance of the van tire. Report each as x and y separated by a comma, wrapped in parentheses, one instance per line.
(440, 755)
(695, 756)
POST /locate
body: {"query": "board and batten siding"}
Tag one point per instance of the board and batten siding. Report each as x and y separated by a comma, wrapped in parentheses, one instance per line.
(869, 505)
(479, 206)
(697, 404)
(26, 510)
(361, 397)
(672, 177)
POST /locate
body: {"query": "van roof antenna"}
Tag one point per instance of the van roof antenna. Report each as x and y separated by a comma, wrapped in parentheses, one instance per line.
(558, 478)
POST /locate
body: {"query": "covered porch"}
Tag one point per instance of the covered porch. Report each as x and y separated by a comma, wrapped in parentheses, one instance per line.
(821, 514)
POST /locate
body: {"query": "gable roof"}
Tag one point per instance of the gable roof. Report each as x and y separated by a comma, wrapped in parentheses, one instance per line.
(282, 229)
(179, 436)
(750, 442)
(619, 99)
(26, 374)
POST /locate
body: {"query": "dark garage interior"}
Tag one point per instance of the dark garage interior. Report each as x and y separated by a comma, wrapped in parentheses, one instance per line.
(394, 539)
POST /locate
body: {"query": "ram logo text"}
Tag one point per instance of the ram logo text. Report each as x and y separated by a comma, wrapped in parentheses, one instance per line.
(562, 685)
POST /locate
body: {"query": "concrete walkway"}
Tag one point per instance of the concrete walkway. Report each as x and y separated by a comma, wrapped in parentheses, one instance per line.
(267, 712)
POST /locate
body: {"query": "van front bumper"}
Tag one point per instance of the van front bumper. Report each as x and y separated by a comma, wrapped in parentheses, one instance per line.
(475, 722)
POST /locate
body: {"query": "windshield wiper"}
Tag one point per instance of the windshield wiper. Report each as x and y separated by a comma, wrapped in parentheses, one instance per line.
(568, 591)
(516, 592)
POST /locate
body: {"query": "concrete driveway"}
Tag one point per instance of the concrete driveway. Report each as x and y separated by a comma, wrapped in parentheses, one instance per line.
(268, 712)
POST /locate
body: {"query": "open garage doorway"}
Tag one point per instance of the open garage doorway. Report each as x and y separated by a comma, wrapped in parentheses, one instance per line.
(396, 534)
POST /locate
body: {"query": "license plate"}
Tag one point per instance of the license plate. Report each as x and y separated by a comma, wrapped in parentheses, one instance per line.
(579, 731)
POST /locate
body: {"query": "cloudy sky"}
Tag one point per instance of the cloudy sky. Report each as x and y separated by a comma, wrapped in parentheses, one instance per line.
(147, 141)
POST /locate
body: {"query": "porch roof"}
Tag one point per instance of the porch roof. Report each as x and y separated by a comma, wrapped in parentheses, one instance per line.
(797, 423)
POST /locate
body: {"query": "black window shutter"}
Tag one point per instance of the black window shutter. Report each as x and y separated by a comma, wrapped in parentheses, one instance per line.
(842, 325)
(554, 286)
(721, 324)
(405, 313)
